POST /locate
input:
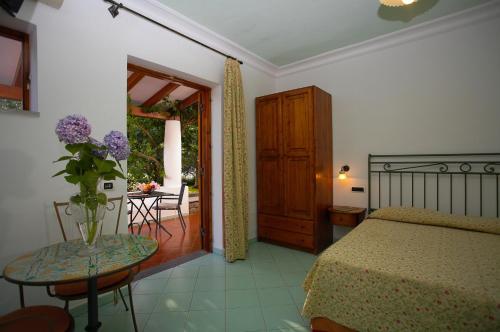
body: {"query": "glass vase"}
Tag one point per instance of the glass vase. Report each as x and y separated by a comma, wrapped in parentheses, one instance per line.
(87, 211)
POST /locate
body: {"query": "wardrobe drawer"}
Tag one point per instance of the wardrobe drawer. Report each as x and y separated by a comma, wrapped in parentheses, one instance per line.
(286, 224)
(295, 239)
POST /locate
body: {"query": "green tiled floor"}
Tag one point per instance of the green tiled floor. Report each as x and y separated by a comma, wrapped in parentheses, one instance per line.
(260, 294)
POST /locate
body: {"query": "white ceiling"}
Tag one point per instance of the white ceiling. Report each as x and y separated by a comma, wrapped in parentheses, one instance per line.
(285, 31)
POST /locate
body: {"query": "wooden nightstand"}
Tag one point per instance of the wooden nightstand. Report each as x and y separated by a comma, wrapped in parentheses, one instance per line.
(346, 215)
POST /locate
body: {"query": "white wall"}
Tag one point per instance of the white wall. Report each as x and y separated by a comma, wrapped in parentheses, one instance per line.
(439, 94)
(82, 68)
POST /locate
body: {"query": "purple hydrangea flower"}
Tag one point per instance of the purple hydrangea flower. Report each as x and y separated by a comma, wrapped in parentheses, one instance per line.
(73, 129)
(101, 153)
(117, 145)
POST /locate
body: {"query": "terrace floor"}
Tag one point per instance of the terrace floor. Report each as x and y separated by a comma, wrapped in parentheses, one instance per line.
(175, 246)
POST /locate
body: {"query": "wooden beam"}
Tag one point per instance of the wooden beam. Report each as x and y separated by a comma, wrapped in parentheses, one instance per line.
(163, 92)
(133, 80)
(193, 99)
(162, 76)
(137, 111)
(11, 92)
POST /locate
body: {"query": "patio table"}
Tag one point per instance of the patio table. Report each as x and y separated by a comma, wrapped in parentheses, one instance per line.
(62, 263)
(156, 195)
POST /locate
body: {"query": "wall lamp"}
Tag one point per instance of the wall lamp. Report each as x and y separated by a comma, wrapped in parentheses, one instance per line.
(113, 10)
(343, 172)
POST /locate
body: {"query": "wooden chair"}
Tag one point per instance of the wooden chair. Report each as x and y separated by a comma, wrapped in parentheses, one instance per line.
(173, 206)
(111, 283)
(41, 318)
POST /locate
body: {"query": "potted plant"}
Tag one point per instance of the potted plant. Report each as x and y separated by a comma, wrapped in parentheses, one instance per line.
(86, 165)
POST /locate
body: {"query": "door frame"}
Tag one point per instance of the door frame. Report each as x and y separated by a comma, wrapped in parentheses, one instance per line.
(205, 169)
(204, 148)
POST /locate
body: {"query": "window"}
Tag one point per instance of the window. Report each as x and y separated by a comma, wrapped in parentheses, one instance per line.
(14, 70)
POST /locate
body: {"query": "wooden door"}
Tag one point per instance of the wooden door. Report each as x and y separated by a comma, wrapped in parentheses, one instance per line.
(297, 122)
(299, 187)
(269, 155)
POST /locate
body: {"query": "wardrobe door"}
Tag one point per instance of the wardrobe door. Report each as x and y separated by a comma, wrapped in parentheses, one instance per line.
(297, 122)
(268, 126)
(298, 153)
(299, 188)
(269, 186)
(269, 155)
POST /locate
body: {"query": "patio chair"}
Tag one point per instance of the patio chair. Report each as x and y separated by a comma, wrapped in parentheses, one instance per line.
(41, 318)
(109, 283)
(130, 213)
(173, 206)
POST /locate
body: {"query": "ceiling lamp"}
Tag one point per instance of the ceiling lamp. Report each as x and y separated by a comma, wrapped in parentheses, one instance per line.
(397, 3)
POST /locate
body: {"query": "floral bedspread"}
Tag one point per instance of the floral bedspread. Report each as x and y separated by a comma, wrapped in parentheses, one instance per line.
(409, 274)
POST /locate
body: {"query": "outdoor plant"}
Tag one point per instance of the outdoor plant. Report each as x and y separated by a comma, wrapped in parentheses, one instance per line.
(145, 163)
(146, 137)
(87, 164)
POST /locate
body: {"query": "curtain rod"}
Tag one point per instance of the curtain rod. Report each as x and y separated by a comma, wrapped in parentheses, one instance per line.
(114, 12)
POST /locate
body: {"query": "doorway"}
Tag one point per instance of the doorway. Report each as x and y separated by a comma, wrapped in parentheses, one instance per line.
(169, 129)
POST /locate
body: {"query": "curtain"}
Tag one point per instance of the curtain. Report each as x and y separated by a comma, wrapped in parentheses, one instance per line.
(235, 165)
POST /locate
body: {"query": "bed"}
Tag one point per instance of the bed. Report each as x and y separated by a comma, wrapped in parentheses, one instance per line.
(410, 268)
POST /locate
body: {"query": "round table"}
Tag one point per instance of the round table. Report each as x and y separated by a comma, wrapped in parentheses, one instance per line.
(60, 263)
(157, 195)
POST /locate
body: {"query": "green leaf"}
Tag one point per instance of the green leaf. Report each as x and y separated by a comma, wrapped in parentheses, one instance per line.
(63, 158)
(74, 179)
(76, 199)
(118, 174)
(90, 178)
(74, 148)
(86, 161)
(72, 167)
(59, 173)
(108, 176)
(102, 199)
(104, 166)
(91, 204)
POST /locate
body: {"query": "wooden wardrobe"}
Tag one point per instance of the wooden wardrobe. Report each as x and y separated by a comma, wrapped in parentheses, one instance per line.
(294, 168)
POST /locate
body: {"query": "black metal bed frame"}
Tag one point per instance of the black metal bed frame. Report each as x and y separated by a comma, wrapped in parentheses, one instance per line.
(460, 173)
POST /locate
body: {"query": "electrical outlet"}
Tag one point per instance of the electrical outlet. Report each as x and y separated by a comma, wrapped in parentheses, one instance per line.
(108, 185)
(358, 189)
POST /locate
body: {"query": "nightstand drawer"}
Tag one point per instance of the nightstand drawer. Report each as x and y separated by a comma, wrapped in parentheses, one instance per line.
(344, 219)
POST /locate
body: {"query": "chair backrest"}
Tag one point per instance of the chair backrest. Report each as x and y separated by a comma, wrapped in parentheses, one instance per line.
(181, 193)
(64, 206)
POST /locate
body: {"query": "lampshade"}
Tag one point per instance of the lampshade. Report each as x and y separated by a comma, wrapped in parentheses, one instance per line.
(397, 3)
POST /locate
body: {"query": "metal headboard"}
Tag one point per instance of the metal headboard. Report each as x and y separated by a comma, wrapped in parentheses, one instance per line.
(455, 183)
